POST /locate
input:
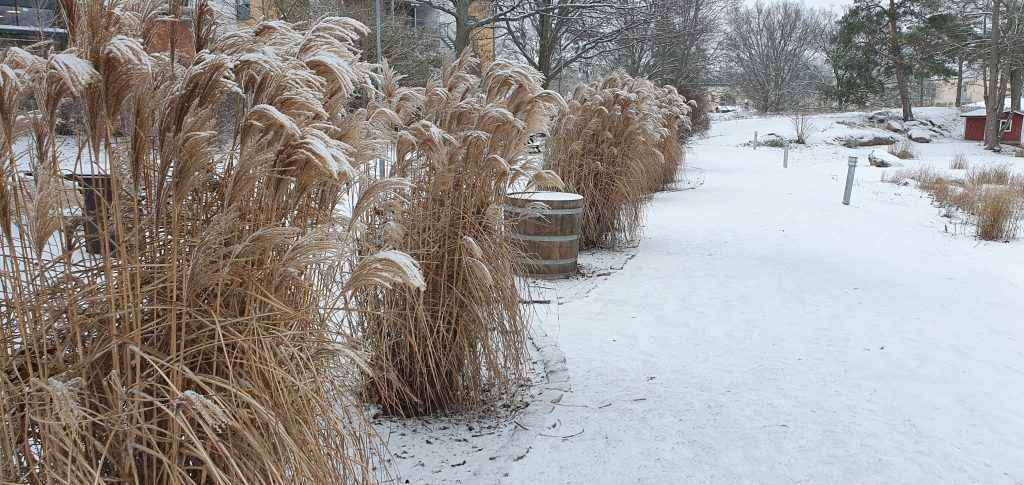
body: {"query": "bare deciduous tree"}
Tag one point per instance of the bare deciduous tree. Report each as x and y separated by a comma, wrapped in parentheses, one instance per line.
(472, 15)
(771, 47)
(561, 33)
(1004, 59)
(679, 45)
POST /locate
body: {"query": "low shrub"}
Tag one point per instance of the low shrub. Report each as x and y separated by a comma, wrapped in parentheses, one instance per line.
(803, 126)
(959, 162)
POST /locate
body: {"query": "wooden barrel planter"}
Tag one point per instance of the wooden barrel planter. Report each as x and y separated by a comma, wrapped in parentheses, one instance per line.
(549, 238)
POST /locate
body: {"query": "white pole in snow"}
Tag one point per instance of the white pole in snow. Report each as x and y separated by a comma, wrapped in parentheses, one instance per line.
(755, 140)
(785, 156)
(852, 164)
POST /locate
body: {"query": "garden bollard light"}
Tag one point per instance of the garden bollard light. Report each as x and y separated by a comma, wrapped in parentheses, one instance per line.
(785, 156)
(755, 140)
(852, 163)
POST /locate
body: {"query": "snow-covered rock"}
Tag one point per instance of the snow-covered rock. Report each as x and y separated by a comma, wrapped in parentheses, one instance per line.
(918, 135)
(895, 125)
(880, 116)
(866, 140)
(883, 159)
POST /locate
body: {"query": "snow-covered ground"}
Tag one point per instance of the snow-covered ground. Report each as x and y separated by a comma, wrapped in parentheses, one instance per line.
(762, 332)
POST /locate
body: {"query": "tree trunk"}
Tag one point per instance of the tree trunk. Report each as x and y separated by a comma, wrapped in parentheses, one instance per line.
(994, 104)
(463, 26)
(1015, 82)
(960, 83)
(546, 45)
(897, 59)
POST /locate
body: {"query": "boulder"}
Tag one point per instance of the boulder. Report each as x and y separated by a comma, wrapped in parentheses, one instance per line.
(880, 116)
(867, 141)
(895, 125)
(883, 159)
(920, 136)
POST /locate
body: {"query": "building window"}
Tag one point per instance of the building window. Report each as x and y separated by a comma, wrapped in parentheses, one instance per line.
(243, 9)
(28, 13)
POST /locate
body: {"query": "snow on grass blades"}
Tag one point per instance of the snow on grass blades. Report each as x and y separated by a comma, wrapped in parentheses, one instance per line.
(209, 340)
(462, 340)
(990, 198)
(676, 126)
(617, 142)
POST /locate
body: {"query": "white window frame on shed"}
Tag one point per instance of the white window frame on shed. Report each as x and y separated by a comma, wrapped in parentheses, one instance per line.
(1006, 125)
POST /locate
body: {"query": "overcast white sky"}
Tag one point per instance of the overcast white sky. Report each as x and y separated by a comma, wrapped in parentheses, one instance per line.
(837, 4)
(829, 3)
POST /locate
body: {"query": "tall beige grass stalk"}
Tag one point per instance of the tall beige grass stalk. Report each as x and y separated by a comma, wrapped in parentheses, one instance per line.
(209, 341)
(998, 214)
(989, 197)
(461, 341)
(607, 145)
(675, 132)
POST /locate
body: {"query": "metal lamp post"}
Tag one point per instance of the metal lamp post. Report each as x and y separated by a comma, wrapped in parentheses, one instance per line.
(852, 166)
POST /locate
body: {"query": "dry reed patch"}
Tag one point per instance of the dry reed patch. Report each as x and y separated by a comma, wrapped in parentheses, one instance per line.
(959, 162)
(997, 213)
(601, 147)
(1019, 152)
(208, 341)
(904, 150)
(461, 341)
(988, 197)
(991, 175)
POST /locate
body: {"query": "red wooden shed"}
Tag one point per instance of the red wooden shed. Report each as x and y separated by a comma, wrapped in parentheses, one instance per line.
(974, 126)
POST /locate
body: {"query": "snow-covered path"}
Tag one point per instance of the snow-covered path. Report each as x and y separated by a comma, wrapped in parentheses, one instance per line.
(766, 333)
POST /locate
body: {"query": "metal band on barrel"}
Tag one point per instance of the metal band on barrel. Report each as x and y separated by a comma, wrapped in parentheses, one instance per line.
(544, 212)
(524, 237)
(547, 262)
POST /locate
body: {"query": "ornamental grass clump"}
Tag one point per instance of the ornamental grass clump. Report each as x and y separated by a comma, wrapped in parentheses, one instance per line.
(207, 340)
(462, 341)
(615, 145)
(675, 132)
